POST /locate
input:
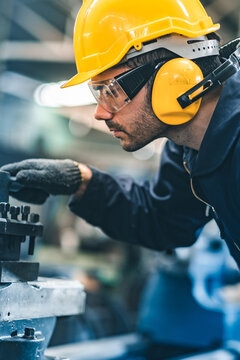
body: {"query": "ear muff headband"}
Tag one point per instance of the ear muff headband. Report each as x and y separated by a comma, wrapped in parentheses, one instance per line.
(172, 80)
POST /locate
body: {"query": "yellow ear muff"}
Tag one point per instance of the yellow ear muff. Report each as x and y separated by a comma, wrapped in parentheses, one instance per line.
(172, 80)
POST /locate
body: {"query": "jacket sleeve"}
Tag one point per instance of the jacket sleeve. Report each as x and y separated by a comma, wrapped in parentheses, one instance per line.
(160, 214)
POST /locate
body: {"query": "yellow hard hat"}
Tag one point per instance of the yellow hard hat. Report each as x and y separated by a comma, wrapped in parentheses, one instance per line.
(105, 30)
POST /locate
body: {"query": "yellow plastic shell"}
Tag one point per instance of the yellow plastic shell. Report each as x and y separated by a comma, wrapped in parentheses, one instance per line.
(173, 80)
(105, 30)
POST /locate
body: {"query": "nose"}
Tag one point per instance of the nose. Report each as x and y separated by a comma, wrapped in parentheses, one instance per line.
(102, 114)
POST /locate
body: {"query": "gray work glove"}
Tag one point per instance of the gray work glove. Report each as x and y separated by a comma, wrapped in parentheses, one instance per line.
(42, 177)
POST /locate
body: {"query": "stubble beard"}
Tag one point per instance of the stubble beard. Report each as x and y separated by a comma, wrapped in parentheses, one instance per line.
(146, 128)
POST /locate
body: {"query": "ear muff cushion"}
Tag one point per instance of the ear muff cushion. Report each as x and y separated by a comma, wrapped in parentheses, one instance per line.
(172, 80)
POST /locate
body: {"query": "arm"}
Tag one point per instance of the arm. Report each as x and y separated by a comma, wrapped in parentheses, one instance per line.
(160, 214)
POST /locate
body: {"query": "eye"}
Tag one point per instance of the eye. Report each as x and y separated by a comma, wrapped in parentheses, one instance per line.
(106, 93)
(112, 88)
(114, 93)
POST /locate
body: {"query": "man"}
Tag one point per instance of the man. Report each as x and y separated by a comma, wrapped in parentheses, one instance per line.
(142, 59)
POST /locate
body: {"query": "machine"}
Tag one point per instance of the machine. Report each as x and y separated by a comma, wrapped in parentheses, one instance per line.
(29, 304)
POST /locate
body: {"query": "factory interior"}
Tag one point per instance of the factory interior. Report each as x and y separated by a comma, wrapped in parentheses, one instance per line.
(98, 298)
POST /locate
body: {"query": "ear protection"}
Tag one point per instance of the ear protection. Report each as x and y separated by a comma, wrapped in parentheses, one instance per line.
(172, 80)
(179, 86)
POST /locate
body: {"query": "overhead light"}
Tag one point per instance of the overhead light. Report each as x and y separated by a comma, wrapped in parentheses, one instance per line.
(52, 95)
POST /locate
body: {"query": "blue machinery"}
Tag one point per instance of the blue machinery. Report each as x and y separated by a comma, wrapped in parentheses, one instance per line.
(182, 315)
(198, 313)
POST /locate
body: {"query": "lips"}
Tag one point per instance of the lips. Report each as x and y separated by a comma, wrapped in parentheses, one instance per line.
(116, 129)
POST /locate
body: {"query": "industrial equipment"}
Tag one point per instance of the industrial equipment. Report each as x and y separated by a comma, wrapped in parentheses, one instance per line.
(29, 304)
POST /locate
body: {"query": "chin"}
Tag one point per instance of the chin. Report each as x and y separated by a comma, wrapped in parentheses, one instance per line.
(130, 147)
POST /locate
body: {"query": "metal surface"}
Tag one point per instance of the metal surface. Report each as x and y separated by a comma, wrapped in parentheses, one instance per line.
(25, 339)
(13, 271)
(43, 298)
(13, 232)
(16, 225)
(30, 348)
(103, 349)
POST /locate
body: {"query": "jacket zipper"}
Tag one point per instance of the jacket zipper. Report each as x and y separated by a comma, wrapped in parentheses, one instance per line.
(193, 191)
(197, 197)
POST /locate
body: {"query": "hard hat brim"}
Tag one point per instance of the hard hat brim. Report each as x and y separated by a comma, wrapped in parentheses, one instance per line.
(79, 79)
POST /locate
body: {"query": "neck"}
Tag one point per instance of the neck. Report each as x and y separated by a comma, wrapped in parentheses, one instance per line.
(192, 133)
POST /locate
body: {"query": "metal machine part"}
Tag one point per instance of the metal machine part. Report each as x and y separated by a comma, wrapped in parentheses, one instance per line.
(16, 225)
(29, 306)
(130, 346)
(13, 232)
(42, 298)
(26, 339)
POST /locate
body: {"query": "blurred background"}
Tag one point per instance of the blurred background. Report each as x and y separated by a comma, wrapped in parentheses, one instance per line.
(38, 119)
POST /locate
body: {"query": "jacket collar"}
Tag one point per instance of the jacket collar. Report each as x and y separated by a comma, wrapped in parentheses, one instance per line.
(221, 133)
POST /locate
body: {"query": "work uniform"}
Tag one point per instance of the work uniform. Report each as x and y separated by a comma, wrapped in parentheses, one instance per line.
(191, 188)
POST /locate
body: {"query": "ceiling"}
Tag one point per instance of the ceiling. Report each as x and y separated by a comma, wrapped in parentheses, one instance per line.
(36, 37)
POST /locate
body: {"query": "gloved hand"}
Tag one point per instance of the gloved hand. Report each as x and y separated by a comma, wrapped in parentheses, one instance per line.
(42, 177)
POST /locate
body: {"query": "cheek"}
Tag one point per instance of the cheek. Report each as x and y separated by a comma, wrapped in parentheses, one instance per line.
(129, 121)
(133, 117)
(135, 110)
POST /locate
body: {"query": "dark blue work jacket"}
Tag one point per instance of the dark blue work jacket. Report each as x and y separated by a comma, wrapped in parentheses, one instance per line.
(166, 212)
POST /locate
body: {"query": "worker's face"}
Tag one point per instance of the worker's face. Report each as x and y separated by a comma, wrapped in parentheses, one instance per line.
(135, 124)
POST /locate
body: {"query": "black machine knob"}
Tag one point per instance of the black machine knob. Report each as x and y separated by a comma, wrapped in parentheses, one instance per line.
(4, 208)
(34, 218)
(25, 211)
(14, 211)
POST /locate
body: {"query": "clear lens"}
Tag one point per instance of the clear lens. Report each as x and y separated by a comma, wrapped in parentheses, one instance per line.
(109, 94)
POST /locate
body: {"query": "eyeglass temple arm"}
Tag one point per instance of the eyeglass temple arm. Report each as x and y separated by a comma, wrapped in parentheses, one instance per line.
(133, 81)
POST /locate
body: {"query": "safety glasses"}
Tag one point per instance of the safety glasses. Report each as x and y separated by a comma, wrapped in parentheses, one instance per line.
(113, 94)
